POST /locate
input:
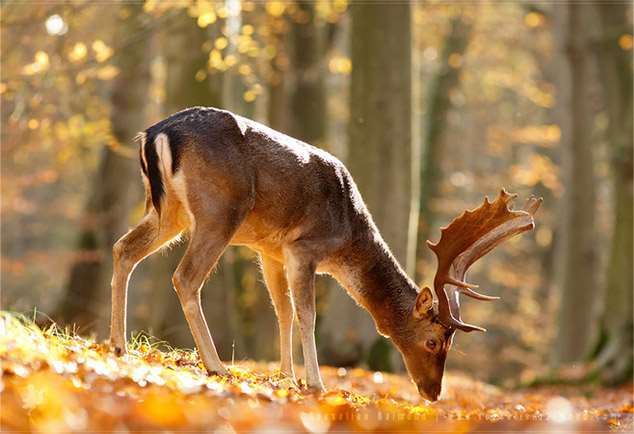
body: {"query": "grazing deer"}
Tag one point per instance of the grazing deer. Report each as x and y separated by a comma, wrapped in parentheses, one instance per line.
(228, 180)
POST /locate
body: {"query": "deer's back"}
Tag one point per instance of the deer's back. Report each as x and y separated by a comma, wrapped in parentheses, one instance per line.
(295, 191)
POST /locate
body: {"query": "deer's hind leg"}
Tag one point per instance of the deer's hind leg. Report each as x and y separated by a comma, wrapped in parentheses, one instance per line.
(141, 241)
(215, 216)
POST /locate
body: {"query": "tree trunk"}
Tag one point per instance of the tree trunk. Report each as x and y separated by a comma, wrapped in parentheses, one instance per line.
(615, 356)
(116, 187)
(379, 158)
(277, 104)
(308, 102)
(577, 249)
(434, 125)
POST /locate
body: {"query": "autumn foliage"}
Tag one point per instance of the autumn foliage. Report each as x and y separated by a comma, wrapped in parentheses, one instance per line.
(56, 382)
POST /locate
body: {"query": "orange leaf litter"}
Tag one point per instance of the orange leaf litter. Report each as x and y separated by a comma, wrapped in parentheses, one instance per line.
(55, 382)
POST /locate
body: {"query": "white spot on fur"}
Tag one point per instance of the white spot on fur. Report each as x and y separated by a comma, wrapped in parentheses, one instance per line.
(242, 126)
(164, 153)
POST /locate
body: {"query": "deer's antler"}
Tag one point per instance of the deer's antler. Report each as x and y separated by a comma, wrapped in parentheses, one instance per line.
(464, 241)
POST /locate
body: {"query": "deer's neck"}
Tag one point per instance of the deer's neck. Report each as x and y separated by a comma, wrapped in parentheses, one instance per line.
(374, 278)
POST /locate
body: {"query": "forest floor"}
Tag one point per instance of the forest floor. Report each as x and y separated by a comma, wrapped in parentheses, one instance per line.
(55, 382)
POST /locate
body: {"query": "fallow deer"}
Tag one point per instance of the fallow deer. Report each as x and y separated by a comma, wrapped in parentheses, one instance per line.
(227, 180)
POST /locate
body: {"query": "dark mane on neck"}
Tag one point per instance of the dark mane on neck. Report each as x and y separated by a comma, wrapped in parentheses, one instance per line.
(373, 276)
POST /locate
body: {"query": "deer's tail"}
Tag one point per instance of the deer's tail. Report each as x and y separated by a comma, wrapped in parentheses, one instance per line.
(157, 161)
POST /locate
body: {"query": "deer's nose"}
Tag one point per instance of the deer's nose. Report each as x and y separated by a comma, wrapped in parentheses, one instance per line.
(430, 393)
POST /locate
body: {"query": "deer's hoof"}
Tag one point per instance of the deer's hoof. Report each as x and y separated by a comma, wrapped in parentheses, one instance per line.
(316, 389)
(220, 372)
(117, 348)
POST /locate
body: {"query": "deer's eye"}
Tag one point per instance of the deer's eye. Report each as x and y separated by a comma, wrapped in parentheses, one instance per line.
(431, 344)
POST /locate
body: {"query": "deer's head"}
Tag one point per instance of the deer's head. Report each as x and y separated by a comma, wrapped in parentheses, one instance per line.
(426, 336)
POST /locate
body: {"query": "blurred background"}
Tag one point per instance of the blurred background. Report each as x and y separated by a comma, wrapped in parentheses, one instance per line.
(432, 105)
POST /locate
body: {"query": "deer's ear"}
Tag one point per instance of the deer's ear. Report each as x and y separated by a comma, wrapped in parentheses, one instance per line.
(424, 303)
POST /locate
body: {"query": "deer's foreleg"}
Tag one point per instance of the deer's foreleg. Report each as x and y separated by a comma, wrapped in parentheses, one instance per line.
(301, 277)
(277, 285)
(128, 251)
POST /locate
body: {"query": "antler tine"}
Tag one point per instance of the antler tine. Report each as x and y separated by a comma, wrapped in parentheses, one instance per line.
(477, 295)
(532, 204)
(468, 289)
(465, 240)
(453, 320)
(456, 324)
(460, 283)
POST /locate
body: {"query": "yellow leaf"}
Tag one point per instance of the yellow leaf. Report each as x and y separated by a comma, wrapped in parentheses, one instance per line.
(249, 96)
(221, 43)
(78, 52)
(206, 19)
(108, 72)
(534, 19)
(275, 8)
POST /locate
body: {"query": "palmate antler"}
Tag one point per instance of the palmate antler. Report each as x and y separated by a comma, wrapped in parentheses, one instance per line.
(467, 239)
